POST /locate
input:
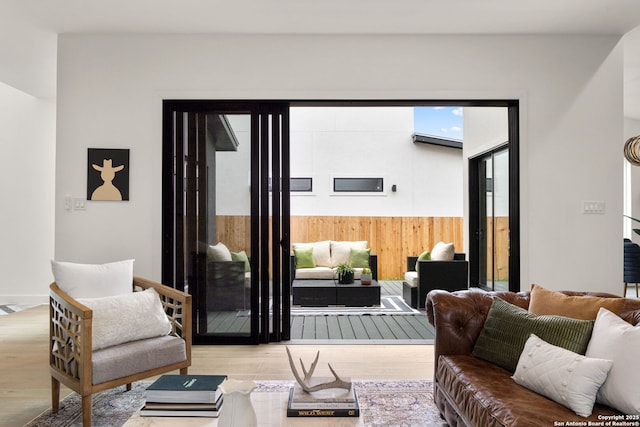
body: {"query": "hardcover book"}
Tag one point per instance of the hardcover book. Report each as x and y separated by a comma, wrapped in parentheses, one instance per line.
(185, 389)
(334, 398)
(322, 408)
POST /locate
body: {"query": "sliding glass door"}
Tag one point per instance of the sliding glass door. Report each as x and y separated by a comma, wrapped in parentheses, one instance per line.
(225, 232)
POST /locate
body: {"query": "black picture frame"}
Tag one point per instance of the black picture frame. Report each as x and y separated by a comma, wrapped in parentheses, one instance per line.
(108, 174)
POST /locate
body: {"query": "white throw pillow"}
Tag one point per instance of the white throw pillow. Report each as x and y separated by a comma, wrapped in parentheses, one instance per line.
(218, 252)
(94, 280)
(124, 318)
(563, 376)
(443, 252)
(341, 251)
(613, 338)
(321, 254)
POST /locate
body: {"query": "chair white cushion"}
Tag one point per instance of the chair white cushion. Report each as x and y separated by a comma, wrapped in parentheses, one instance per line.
(218, 252)
(124, 318)
(94, 280)
(341, 251)
(563, 376)
(315, 273)
(613, 338)
(321, 254)
(411, 277)
(443, 252)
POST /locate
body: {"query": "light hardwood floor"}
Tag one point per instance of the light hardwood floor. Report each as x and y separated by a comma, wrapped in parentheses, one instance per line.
(25, 387)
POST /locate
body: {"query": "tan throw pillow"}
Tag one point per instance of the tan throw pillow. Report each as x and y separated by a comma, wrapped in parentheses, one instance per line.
(545, 301)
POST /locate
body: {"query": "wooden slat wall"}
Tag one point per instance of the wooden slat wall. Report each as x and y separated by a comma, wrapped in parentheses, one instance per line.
(391, 238)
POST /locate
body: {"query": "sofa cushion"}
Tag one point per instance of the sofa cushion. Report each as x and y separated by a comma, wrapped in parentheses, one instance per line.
(321, 252)
(94, 280)
(561, 375)
(615, 339)
(443, 252)
(219, 253)
(486, 396)
(545, 301)
(359, 258)
(136, 356)
(315, 273)
(341, 251)
(242, 256)
(123, 318)
(507, 328)
(304, 257)
(424, 256)
(411, 277)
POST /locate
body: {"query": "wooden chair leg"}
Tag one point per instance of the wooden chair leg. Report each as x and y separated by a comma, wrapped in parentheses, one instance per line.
(55, 395)
(636, 290)
(624, 293)
(184, 371)
(128, 386)
(86, 411)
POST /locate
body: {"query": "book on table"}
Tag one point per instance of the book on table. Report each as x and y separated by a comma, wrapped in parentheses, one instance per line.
(185, 389)
(205, 410)
(333, 402)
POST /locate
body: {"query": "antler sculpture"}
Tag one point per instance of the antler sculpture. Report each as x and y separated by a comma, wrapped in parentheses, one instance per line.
(304, 382)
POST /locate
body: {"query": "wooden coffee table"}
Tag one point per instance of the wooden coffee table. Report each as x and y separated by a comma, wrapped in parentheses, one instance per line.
(321, 292)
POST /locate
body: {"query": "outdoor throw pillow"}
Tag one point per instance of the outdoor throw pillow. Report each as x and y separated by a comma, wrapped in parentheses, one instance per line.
(218, 252)
(304, 258)
(359, 258)
(561, 375)
(544, 301)
(443, 252)
(424, 256)
(508, 327)
(242, 256)
(94, 280)
(615, 339)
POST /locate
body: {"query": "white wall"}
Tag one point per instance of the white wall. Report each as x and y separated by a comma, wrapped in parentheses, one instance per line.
(27, 144)
(485, 128)
(631, 129)
(110, 89)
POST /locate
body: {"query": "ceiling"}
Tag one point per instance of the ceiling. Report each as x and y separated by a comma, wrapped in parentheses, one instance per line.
(29, 28)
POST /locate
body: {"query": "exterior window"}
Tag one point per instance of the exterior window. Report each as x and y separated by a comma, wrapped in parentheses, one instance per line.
(298, 184)
(301, 184)
(358, 185)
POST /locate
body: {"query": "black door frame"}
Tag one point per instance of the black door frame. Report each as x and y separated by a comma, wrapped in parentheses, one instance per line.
(475, 204)
(270, 134)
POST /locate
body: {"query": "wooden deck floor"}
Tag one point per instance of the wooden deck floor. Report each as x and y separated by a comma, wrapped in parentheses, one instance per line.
(343, 329)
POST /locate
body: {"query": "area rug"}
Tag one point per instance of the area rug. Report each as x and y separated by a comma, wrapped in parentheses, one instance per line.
(393, 304)
(382, 403)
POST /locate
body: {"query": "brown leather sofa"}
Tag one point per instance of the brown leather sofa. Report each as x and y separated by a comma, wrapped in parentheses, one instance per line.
(472, 392)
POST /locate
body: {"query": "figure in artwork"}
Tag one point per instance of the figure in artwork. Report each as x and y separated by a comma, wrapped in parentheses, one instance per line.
(107, 191)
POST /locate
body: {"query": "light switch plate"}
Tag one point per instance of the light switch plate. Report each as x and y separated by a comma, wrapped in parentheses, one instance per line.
(593, 207)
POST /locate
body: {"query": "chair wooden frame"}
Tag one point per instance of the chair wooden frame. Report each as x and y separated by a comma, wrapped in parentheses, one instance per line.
(70, 326)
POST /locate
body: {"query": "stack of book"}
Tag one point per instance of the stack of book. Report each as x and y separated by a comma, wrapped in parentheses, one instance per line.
(184, 396)
(333, 402)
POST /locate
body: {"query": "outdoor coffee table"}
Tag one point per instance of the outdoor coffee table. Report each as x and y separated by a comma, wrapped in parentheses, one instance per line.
(321, 292)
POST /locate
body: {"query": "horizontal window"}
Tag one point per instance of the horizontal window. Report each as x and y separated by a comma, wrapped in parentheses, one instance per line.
(358, 185)
(298, 184)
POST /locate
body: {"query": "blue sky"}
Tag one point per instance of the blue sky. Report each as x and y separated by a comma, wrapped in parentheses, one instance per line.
(438, 121)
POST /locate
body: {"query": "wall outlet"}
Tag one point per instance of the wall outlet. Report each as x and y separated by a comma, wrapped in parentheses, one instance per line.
(593, 207)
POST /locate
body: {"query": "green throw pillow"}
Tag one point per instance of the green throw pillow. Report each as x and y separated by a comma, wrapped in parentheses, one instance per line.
(359, 258)
(508, 327)
(424, 256)
(241, 256)
(304, 258)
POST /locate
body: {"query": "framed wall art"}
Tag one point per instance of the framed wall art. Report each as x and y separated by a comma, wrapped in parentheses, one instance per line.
(108, 174)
